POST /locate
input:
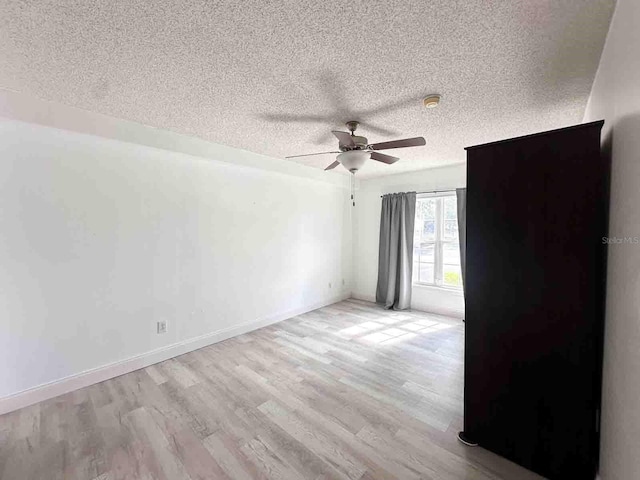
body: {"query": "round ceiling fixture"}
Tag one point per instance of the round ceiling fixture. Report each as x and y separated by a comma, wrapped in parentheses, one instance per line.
(353, 160)
(432, 101)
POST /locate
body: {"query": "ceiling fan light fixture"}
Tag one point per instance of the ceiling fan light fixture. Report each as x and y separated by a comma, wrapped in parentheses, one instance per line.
(353, 159)
(356, 149)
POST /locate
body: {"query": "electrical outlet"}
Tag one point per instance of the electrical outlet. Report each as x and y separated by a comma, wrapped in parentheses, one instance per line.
(162, 327)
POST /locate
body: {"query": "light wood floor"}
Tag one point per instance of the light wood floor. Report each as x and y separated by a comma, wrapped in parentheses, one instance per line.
(349, 391)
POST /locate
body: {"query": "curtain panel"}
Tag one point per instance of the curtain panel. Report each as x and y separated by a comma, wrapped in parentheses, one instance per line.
(395, 258)
(461, 197)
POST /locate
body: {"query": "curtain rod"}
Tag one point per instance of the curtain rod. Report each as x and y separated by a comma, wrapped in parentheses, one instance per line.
(453, 190)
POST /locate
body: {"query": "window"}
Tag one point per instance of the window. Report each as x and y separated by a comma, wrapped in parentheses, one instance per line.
(436, 251)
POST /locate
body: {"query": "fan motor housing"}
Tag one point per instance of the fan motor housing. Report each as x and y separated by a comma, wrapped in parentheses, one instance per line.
(361, 144)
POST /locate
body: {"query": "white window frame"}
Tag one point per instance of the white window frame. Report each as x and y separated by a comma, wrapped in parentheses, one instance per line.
(438, 243)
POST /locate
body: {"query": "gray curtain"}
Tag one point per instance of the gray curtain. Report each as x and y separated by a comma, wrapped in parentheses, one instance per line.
(461, 197)
(395, 260)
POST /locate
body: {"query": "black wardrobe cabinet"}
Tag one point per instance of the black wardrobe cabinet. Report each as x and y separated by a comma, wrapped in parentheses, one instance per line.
(535, 277)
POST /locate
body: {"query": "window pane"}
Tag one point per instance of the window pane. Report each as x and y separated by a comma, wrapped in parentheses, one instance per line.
(452, 276)
(426, 207)
(424, 262)
(425, 228)
(451, 229)
(450, 218)
(450, 208)
(427, 252)
(426, 273)
(424, 252)
(451, 254)
(429, 230)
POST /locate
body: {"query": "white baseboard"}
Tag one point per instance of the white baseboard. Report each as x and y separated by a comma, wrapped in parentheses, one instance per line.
(364, 297)
(445, 312)
(438, 311)
(100, 374)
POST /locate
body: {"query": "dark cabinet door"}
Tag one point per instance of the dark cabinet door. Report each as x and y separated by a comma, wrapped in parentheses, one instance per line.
(536, 215)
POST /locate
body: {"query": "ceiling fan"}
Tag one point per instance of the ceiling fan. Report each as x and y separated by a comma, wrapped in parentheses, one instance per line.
(354, 150)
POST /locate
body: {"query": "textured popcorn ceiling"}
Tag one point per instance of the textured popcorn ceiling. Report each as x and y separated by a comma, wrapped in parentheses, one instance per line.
(274, 77)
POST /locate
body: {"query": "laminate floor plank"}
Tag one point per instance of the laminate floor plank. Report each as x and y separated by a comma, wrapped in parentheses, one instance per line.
(346, 392)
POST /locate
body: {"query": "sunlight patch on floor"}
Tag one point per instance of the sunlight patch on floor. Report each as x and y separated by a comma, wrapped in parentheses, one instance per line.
(395, 329)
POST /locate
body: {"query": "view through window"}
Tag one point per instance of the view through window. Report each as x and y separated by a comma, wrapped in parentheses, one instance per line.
(436, 251)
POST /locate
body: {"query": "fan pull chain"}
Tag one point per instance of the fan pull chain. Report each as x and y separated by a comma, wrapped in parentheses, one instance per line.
(353, 188)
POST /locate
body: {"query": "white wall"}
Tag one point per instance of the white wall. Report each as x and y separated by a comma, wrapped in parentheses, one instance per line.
(616, 98)
(367, 231)
(99, 239)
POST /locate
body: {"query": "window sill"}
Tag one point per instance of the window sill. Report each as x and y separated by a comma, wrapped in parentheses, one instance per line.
(439, 288)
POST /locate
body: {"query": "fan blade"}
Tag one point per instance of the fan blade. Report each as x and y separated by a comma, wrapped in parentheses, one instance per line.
(407, 142)
(310, 154)
(381, 157)
(344, 138)
(323, 138)
(333, 165)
